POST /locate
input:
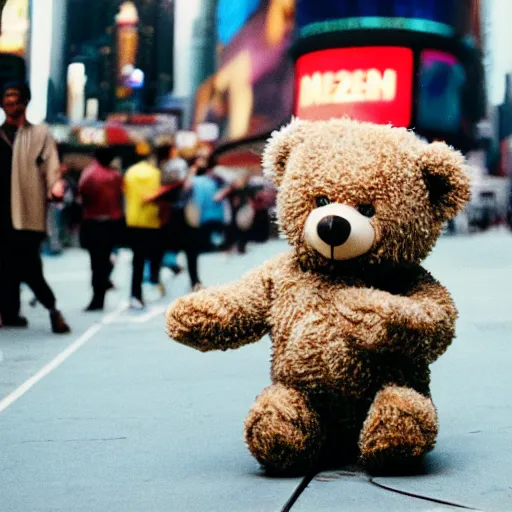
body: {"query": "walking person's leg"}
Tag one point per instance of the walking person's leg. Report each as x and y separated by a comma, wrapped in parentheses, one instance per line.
(91, 240)
(101, 247)
(100, 271)
(193, 246)
(10, 285)
(104, 270)
(241, 242)
(170, 236)
(137, 275)
(155, 257)
(137, 241)
(192, 256)
(32, 274)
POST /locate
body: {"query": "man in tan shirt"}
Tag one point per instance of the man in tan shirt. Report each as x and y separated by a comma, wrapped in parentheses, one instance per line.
(29, 178)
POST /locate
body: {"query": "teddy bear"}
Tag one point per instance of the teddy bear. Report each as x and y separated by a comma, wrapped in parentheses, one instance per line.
(354, 319)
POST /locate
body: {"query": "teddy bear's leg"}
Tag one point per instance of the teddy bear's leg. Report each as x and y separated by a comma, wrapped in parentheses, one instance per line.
(282, 431)
(399, 429)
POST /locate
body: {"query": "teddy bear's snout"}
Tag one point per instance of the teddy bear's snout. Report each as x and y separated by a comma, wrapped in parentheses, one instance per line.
(334, 230)
(339, 232)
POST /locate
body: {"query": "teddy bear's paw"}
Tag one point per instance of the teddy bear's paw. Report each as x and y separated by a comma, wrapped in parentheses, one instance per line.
(400, 429)
(188, 320)
(282, 432)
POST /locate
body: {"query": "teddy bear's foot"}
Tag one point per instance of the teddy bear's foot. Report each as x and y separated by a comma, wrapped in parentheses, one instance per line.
(283, 432)
(400, 428)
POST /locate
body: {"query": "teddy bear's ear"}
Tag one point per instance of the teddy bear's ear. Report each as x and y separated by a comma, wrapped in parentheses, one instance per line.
(446, 178)
(278, 149)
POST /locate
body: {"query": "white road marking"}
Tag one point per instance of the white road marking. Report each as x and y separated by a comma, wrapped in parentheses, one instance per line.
(52, 365)
(139, 319)
(60, 358)
(149, 315)
(111, 317)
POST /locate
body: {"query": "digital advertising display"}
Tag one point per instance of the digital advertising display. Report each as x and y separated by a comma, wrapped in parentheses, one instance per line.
(232, 16)
(440, 91)
(278, 58)
(252, 91)
(442, 17)
(368, 83)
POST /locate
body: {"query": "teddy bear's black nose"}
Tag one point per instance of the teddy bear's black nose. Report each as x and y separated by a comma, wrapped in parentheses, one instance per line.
(334, 230)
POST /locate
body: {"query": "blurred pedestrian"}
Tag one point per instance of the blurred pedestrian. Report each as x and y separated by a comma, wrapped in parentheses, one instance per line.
(52, 245)
(242, 212)
(71, 214)
(249, 211)
(29, 174)
(174, 168)
(100, 189)
(205, 215)
(262, 202)
(174, 171)
(142, 181)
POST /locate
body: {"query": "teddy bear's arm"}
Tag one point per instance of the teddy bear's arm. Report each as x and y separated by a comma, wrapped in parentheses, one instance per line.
(224, 317)
(420, 322)
(427, 320)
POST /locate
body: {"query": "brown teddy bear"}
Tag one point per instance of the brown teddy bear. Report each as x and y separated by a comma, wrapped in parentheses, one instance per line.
(354, 319)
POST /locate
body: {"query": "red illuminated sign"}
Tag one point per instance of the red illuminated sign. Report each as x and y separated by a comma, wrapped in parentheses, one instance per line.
(368, 83)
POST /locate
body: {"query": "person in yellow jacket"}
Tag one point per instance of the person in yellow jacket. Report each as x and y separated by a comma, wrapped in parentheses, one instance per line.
(142, 181)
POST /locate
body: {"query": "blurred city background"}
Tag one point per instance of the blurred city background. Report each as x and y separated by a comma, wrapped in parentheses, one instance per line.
(222, 75)
(158, 107)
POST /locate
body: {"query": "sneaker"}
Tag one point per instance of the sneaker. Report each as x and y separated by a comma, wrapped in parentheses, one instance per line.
(59, 325)
(197, 287)
(136, 304)
(16, 321)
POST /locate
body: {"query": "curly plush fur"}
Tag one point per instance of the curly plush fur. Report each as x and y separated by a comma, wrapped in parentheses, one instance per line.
(353, 339)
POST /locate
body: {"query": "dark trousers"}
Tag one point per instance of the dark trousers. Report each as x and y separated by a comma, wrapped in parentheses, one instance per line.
(100, 238)
(146, 244)
(199, 241)
(192, 262)
(237, 238)
(20, 261)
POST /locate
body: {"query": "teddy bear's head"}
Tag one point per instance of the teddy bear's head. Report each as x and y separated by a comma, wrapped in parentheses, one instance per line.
(353, 194)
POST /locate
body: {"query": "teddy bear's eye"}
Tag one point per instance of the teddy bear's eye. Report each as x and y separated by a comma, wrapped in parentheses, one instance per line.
(322, 201)
(366, 209)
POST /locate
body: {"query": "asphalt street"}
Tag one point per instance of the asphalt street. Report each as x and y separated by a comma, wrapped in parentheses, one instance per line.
(116, 417)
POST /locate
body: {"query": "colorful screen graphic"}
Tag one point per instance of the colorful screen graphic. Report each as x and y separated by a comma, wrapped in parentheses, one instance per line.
(252, 91)
(441, 82)
(441, 16)
(369, 84)
(232, 16)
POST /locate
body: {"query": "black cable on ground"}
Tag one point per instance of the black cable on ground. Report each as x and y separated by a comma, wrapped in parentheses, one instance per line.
(419, 496)
(300, 489)
(308, 478)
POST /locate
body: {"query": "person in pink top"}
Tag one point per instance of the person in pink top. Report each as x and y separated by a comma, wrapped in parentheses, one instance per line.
(100, 190)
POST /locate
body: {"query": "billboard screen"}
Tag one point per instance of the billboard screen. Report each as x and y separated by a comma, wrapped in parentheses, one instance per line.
(442, 79)
(232, 16)
(252, 91)
(369, 83)
(446, 17)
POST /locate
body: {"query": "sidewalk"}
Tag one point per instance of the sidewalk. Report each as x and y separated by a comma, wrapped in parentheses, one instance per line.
(135, 422)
